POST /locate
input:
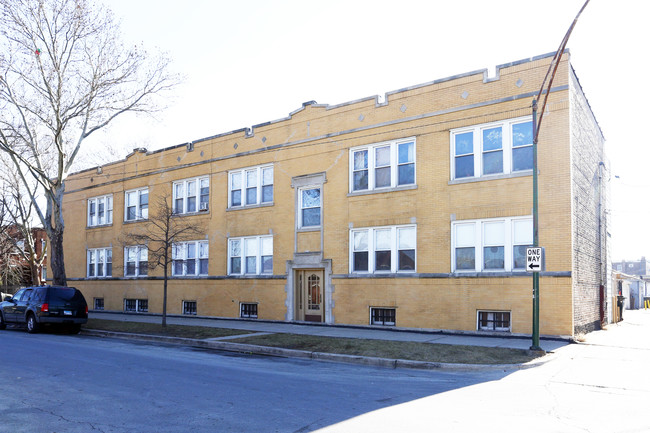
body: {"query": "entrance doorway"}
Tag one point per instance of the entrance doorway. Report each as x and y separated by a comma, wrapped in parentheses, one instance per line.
(309, 295)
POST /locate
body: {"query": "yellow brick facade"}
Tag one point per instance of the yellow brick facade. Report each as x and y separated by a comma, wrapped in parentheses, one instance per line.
(312, 147)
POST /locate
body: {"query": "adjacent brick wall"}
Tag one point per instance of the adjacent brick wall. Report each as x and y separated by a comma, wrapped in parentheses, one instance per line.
(588, 174)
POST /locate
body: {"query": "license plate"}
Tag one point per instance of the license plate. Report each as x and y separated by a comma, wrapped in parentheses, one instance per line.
(67, 313)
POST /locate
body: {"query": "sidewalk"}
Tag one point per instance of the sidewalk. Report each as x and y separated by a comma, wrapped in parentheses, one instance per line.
(393, 334)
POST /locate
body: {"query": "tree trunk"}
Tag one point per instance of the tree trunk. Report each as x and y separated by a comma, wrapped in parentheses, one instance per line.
(54, 228)
(56, 248)
(164, 312)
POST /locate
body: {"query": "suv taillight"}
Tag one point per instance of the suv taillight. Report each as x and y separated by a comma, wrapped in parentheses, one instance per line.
(45, 308)
(86, 310)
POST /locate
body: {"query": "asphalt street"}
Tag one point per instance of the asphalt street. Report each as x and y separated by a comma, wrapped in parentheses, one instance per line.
(62, 383)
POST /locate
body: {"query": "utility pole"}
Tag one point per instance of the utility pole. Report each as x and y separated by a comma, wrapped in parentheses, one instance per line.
(537, 124)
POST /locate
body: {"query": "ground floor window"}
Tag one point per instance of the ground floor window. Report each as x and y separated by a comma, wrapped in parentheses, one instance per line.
(189, 307)
(136, 305)
(493, 321)
(382, 316)
(248, 311)
(99, 303)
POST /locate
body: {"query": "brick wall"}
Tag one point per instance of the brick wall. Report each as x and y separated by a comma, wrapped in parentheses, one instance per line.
(588, 210)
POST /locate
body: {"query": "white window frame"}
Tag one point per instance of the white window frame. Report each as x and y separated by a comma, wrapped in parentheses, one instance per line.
(201, 203)
(394, 249)
(301, 207)
(393, 166)
(260, 183)
(479, 243)
(95, 259)
(251, 246)
(141, 251)
(507, 147)
(139, 214)
(138, 305)
(201, 252)
(93, 219)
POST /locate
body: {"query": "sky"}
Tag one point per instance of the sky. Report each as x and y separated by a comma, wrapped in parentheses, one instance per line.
(247, 62)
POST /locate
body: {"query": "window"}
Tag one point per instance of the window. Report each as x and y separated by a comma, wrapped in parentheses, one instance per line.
(248, 311)
(383, 249)
(190, 258)
(382, 316)
(522, 238)
(493, 321)
(491, 245)
(136, 305)
(250, 255)
(100, 263)
(383, 165)
(98, 303)
(136, 204)
(310, 207)
(100, 211)
(189, 308)
(250, 186)
(191, 195)
(135, 261)
(503, 147)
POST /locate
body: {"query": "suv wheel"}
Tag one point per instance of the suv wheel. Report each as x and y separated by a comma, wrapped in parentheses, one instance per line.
(32, 324)
(3, 325)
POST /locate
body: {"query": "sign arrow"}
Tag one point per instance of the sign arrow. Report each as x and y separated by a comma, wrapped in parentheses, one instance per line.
(534, 266)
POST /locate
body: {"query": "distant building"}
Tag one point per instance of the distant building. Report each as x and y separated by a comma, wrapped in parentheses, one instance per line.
(633, 267)
(412, 211)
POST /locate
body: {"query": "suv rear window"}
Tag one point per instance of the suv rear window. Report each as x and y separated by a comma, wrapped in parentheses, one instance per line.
(65, 294)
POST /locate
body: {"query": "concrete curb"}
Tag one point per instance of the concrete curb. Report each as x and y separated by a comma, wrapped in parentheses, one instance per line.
(305, 354)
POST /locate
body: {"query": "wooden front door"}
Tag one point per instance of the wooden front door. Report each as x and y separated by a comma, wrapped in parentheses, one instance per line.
(309, 295)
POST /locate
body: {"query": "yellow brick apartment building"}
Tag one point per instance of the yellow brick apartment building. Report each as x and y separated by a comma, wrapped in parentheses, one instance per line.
(411, 212)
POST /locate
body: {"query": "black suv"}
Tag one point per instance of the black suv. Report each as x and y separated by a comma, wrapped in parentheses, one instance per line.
(45, 305)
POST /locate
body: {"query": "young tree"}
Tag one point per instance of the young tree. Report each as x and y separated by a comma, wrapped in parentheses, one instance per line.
(163, 232)
(64, 74)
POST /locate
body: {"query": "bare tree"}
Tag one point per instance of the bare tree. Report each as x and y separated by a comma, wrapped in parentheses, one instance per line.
(163, 232)
(19, 215)
(64, 74)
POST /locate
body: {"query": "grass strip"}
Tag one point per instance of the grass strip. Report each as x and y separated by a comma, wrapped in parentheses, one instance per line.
(415, 351)
(183, 331)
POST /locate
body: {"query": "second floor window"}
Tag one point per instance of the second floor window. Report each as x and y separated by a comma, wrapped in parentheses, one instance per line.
(491, 245)
(100, 262)
(191, 195)
(383, 249)
(136, 261)
(250, 255)
(190, 258)
(100, 211)
(310, 207)
(136, 204)
(493, 148)
(250, 186)
(383, 165)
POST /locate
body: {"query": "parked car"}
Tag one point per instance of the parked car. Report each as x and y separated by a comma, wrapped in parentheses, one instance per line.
(36, 306)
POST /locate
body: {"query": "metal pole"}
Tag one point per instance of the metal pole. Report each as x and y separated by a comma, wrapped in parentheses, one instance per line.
(535, 345)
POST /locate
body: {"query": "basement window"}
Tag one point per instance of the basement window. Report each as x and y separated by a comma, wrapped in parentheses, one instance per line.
(493, 321)
(136, 305)
(189, 308)
(382, 316)
(248, 311)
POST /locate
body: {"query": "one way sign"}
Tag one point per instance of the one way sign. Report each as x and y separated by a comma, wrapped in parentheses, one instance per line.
(535, 259)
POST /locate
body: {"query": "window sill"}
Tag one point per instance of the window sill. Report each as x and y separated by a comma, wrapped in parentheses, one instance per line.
(201, 212)
(308, 229)
(382, 190)
(99, 226)
(249, 206)
(462, 180)
(139, 220)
